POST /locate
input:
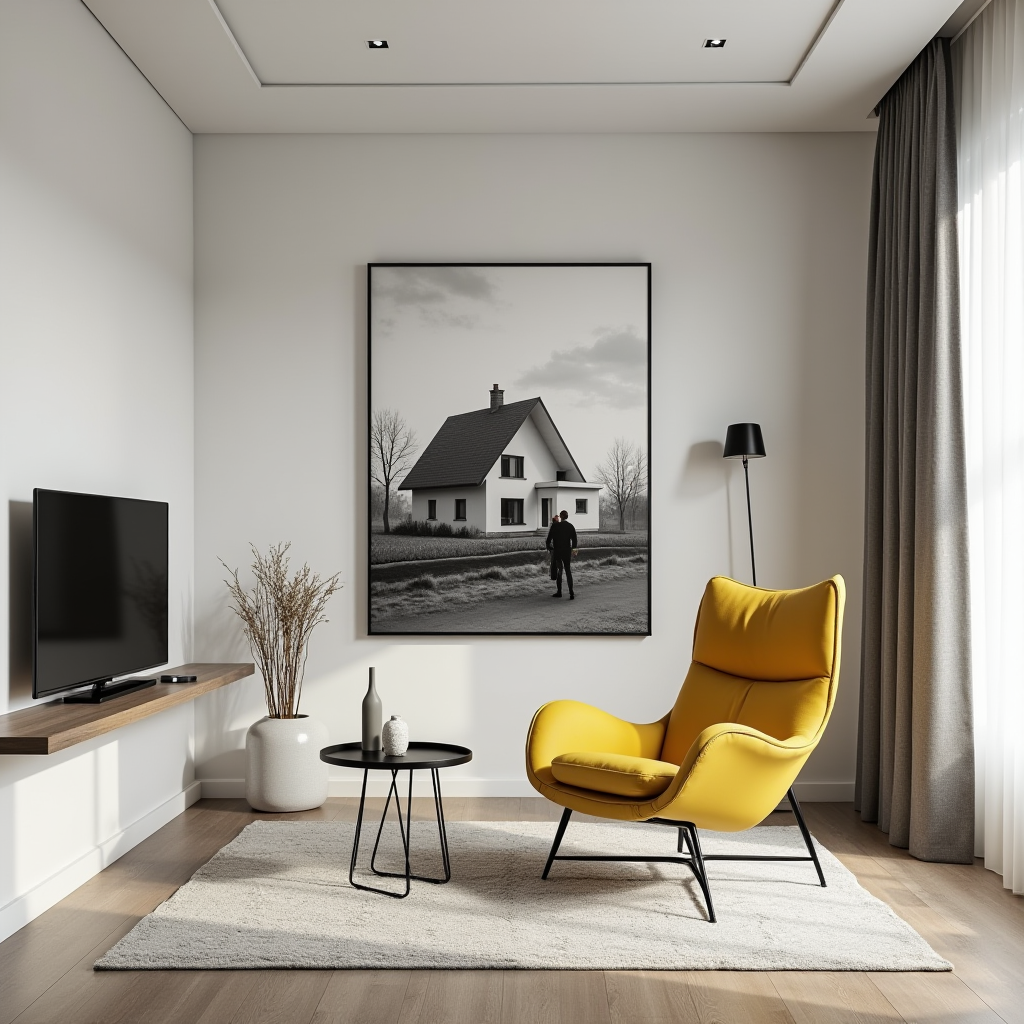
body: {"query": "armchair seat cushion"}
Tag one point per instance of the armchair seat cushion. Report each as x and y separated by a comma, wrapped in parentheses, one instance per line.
(619, 774)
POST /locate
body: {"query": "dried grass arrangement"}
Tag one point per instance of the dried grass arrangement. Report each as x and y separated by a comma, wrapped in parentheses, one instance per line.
(278, 615)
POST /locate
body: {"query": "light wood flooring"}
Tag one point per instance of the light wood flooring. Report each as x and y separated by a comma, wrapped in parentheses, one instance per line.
(46, 971)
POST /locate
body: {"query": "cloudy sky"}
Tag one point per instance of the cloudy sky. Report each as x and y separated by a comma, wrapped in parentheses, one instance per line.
(574, 336)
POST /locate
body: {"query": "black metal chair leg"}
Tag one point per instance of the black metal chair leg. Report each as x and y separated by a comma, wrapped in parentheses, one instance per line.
(684, 838)
(700, 871)
(687, 833)
(694, 859)
(562, 825)
(807, 835)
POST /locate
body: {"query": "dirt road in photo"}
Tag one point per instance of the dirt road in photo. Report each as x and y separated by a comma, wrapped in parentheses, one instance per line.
(608, 607)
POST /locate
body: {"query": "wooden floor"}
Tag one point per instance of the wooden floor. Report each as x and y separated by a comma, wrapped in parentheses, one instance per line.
(46, 969)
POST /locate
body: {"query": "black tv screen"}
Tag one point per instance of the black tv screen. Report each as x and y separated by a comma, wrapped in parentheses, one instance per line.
(100, 588)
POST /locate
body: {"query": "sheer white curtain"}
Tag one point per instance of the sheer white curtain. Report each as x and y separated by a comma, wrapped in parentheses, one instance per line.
(989, 65)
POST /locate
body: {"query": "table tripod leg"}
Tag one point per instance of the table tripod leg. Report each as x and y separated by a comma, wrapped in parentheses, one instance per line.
(408, 832)
(380, 828)
(403, 828)
(442, 830)
(430, 756)
(359, 828)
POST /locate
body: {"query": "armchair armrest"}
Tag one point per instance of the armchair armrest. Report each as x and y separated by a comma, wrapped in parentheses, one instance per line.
(570, 726)
(733, 776)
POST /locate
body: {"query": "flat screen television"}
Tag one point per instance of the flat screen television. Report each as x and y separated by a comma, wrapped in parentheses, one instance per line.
(99, 593)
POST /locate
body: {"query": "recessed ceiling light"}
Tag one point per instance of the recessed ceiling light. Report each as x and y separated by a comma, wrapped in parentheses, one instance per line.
(377, 44)
(711, 44)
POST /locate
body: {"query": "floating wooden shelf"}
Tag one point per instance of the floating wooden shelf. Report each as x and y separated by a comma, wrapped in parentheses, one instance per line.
(47, 728)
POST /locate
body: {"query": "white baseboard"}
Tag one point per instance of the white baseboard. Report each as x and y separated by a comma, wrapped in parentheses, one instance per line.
(453, 787)
(41, 897)
(350, 785)
(223, 789)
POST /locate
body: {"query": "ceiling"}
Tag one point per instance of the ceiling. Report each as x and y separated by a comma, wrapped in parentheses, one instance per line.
(522, 65)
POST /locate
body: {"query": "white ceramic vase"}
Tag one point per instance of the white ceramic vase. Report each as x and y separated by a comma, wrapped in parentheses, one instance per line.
(284, 770)
(395, 737)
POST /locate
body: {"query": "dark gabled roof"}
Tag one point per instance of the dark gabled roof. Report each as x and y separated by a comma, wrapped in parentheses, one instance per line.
(464, 449)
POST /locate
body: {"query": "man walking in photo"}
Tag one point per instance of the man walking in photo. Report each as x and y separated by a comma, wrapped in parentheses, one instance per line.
(562, 544)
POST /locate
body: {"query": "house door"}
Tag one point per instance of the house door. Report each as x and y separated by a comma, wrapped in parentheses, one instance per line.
(545, 512)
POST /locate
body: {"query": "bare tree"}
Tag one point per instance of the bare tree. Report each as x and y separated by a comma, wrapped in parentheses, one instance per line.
(624, 473)
(638, 511)
(376, 501)
(400, 507)
(392, 446)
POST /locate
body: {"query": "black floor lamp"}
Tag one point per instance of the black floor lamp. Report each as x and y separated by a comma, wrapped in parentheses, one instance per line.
(744, 441)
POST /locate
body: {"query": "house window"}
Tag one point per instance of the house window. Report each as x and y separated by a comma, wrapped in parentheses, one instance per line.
(512, 465)
(511, 511)
(431, 508)
(581, 506)
(460, 508)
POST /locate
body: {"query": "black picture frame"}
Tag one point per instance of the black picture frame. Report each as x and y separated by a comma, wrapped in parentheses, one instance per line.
(480, 583)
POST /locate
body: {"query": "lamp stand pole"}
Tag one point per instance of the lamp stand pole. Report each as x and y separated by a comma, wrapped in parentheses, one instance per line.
(750, 521)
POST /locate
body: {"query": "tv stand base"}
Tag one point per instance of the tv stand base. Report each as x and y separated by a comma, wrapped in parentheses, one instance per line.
(101, 692)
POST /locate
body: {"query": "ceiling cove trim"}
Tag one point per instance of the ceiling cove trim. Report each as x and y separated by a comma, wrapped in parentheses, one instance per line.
(92, 14)
(234, 42)
(830, 17)
(504, 85)
(825, 25)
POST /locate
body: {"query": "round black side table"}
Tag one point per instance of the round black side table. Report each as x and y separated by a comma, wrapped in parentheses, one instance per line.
(429, 756)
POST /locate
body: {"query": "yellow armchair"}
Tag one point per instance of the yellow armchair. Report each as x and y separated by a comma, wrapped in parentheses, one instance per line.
(754, 704)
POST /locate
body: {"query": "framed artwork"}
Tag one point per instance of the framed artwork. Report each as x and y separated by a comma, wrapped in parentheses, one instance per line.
(509, 436)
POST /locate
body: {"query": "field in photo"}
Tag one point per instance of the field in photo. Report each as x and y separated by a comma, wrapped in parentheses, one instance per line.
(392, 547)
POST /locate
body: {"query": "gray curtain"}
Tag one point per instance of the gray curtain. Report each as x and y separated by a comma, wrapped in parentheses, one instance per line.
(915, 765)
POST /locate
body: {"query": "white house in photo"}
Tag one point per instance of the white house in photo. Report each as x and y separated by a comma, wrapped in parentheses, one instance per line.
(504, 469)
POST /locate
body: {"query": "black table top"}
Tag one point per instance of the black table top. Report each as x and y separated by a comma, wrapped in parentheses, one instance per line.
(419, 755)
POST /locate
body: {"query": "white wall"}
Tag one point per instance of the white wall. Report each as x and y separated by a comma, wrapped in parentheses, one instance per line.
(474, 497)
(538, 464)
(758, 245)
(95, 395)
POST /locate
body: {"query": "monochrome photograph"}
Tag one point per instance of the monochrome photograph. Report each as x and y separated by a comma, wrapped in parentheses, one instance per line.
(509, 416)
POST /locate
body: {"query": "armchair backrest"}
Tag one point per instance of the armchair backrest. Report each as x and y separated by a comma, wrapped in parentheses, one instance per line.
(768, 659)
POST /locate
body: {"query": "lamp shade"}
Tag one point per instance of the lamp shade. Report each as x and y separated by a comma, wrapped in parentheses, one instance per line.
(743, 440)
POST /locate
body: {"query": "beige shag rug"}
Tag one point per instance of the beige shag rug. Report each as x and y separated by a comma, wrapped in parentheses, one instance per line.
(278, 896)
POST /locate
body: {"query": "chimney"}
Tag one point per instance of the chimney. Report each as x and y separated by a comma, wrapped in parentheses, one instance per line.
(497, 398)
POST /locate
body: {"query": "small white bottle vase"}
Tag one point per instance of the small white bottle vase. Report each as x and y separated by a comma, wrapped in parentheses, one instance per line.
(395, 737)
